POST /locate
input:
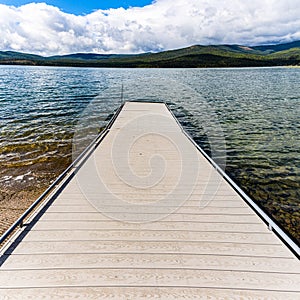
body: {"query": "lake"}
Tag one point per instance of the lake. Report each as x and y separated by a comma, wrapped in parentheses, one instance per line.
(247, 119)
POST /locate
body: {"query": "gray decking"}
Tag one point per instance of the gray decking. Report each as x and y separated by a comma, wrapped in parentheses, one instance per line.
(153, 235)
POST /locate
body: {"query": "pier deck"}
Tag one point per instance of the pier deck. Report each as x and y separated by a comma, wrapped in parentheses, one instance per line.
(147, 216)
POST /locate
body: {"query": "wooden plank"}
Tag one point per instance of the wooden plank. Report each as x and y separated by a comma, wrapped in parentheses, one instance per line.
(150, 260)
(151, 235)
(176, 247)
(150, 277)
(115, 225)
(181, 210)
(96, 216)
(194, 200)
(125, 293)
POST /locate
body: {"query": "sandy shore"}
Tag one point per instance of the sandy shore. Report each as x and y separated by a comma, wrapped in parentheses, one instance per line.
(14, 202)
(21, 186)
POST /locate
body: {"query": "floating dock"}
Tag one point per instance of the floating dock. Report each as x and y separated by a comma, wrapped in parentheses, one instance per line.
(145, 215)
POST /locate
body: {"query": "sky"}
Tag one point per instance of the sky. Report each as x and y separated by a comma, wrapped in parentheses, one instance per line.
(135, 26)
(82, 7)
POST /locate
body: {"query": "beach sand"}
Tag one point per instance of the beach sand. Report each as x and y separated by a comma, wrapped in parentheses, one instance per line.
(14, 203)
(18, 192)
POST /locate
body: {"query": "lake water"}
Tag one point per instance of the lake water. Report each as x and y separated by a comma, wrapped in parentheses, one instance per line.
(246, 119)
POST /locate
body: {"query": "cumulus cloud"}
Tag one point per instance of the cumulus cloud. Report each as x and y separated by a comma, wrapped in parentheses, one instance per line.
(165, 24)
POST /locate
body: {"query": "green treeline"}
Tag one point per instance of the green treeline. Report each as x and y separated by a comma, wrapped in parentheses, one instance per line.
(190, 57)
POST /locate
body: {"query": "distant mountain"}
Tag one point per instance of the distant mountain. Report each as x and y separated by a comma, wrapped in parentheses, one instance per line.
(17, 56)
(191, 57)
(278, 47)
(87, 56)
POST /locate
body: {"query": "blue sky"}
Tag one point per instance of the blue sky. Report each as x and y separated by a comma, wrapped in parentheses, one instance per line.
(63, 27)
(80, 7)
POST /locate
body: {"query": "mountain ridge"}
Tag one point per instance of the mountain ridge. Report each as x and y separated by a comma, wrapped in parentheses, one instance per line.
(226, 55)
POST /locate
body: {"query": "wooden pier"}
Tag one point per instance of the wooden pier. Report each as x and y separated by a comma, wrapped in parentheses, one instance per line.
(146, 216)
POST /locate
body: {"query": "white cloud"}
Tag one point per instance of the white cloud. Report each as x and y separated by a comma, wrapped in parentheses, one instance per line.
(165, 24)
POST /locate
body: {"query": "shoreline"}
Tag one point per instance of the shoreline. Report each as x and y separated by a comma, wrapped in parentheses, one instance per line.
(18, 192)
(14, 203)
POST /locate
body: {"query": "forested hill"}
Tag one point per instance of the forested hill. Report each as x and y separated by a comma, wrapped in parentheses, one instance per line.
(191, 57)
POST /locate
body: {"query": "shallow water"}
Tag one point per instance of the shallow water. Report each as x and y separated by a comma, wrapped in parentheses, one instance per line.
(247, 119)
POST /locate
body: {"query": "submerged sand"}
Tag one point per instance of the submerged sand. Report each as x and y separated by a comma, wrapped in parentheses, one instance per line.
(21, 187)
(13, 204)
